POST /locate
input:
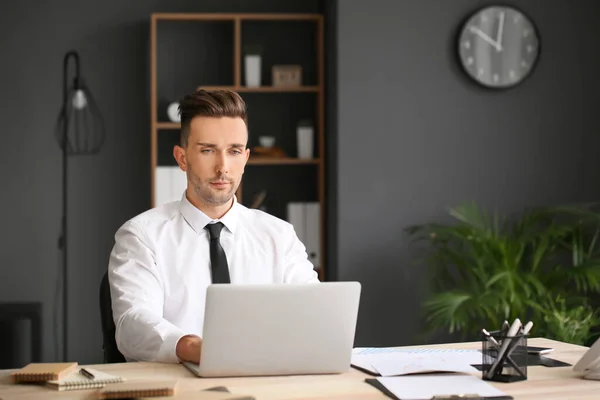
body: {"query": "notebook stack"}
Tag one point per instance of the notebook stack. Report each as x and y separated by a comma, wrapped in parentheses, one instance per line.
(213, 393)
(70, 376)
(138, 389)
(43, 372)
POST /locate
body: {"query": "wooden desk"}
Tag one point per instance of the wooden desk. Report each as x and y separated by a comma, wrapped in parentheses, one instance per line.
(543, 383)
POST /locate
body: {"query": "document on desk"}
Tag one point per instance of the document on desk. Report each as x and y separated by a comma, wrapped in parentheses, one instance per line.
(410, 363)
(457, 360)
(417, 387)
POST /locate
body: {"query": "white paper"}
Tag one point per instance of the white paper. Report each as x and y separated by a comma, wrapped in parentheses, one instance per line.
(417, 387)
(414, 363)
(364, 357)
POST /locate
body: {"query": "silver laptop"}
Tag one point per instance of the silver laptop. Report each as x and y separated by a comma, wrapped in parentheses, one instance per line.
(278, 329)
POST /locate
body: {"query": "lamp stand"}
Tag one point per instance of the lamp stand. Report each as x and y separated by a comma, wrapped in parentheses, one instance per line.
(62, 241)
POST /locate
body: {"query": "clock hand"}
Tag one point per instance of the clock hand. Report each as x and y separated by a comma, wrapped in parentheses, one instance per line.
(500, 32)
(485, 37)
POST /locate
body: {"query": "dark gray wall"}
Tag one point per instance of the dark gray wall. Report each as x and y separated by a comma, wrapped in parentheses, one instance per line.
(416, 137)
(106, 189)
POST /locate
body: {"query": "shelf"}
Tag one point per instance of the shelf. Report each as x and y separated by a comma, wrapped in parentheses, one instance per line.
(168, 125)
(281, 161)
(265, 89)
(233, 17)
(176, 69)
(192, 51)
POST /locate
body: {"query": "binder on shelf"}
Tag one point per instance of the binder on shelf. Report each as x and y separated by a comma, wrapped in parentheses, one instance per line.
(169, 184)
(306, 219)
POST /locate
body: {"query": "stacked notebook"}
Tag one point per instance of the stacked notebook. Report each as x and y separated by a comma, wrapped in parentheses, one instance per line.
(69, 376)
(138, 389)
(43, 372)
(213, 393)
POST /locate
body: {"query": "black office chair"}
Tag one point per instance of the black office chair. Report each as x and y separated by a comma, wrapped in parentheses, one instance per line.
(109, 343)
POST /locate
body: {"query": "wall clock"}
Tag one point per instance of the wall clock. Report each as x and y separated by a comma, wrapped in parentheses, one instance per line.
(498, 46)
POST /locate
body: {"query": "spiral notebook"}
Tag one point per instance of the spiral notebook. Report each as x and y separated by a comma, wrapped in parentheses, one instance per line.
(138, 389)
(77, 381)
(213, 393)
(43, 372)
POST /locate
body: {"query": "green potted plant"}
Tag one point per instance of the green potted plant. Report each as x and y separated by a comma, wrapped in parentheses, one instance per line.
(541, 265)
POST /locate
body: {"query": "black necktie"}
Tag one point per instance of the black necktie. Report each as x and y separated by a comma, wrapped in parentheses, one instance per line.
(218, 259)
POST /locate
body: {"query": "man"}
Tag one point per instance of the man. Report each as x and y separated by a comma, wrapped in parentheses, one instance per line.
(164, 259)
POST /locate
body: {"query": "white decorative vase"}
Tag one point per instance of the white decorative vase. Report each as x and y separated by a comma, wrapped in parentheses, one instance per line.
(253, 65)
(305, 141)
(173, 112)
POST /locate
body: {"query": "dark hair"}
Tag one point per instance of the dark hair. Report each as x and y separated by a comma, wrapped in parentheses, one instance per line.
(214, 103)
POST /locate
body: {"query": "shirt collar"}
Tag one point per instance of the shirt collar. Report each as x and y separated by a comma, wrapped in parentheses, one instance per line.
(198, 220)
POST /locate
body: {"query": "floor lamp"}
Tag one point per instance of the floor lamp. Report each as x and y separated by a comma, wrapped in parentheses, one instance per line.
(80, 131)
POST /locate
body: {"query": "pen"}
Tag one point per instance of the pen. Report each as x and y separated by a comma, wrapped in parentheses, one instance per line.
(86, 373)
(490, 337)
(527, 328)
(505, 326)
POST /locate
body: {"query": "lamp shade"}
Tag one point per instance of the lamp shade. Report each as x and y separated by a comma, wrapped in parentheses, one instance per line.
(85, 132)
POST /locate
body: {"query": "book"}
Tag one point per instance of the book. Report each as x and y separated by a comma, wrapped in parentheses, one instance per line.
(78, 381)
(43, 372)
(137, 389)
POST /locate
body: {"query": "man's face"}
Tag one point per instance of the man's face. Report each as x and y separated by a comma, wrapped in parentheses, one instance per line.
(214, 158)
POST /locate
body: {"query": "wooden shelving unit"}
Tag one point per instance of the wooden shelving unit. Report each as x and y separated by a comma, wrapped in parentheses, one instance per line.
(205, 50)
(266, 89)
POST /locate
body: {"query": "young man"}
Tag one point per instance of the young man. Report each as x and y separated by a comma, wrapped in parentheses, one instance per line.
(164, 259)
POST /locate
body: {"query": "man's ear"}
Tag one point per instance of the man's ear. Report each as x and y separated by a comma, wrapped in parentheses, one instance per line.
(179, 154)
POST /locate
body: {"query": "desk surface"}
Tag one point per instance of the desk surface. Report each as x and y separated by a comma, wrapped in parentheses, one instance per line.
(543, 383)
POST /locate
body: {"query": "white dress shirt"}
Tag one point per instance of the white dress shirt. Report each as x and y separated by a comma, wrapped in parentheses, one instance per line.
(159, 270)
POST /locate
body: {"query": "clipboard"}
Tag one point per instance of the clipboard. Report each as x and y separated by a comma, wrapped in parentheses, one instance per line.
(379, 386)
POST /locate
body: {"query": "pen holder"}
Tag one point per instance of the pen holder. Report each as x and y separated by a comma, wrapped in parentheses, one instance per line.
(504, 358)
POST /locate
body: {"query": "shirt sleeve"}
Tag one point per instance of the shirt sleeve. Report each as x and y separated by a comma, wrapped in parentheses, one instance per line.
(142, 334)
(298, 268)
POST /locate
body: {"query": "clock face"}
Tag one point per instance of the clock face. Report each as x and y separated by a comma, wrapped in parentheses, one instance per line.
(498, 46)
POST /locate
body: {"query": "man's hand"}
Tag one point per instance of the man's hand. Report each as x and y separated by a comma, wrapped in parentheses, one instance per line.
(189, 348)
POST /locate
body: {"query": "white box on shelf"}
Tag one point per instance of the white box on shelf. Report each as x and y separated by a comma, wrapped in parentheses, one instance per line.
(305, 142)
(252, 64)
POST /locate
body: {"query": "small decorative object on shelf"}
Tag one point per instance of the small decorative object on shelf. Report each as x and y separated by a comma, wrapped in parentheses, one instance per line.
(266, 141)
(252, 64)
(305, 139)
(270, 152)
(173, 112)
(287, 75)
